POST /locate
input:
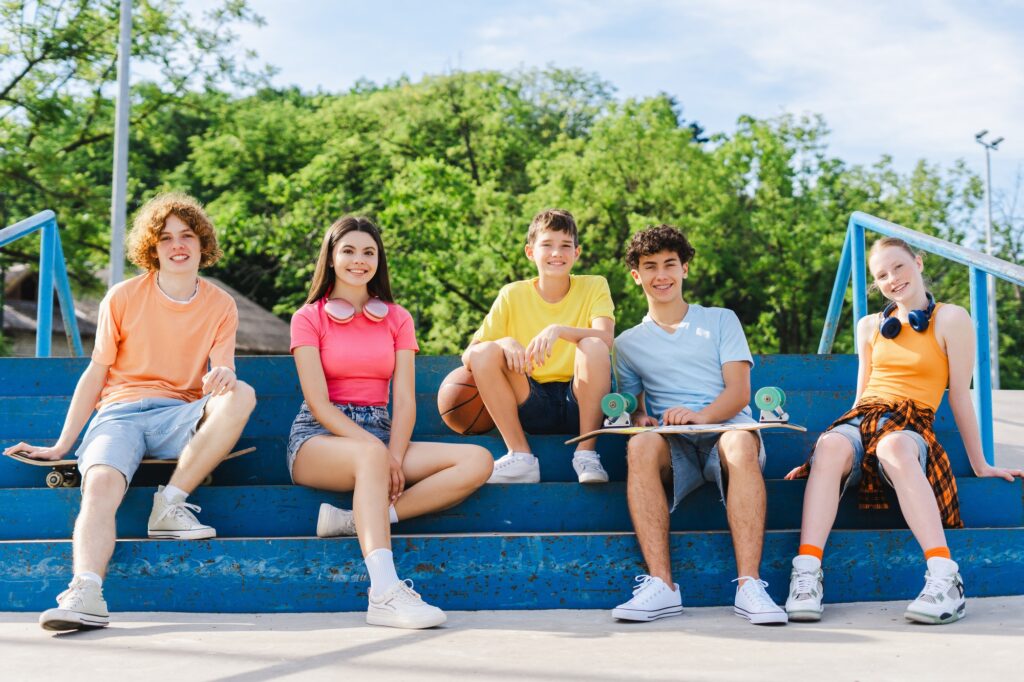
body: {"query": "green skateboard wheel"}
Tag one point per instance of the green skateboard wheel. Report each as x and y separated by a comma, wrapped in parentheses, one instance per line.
(631, 403)
(770, 398)
(613, 405)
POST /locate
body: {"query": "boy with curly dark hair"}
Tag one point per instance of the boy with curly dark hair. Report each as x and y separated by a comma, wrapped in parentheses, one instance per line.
(163, 381)
(688, 364)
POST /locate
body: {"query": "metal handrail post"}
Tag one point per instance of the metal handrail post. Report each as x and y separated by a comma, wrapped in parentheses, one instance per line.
(44, 306)
(835, 305)
(860, 283)
(67, 303)
(982, 368)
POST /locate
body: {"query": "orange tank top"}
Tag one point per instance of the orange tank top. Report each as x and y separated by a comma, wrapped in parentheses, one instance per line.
(910, 366)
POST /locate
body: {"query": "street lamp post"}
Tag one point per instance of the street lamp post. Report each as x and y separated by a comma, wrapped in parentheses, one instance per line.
(993, 336)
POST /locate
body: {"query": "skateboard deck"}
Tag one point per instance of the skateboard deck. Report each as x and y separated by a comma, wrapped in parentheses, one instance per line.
(687, 429)
(64, 472)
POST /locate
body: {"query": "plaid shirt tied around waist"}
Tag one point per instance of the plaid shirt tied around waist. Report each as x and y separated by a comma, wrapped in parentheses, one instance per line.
(904, 415)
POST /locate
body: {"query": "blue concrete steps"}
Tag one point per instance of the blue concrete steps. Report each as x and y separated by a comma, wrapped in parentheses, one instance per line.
(488, 571)
(290, 511)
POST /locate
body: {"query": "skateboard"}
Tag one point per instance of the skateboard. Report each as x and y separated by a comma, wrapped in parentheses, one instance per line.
(617, 408)
(686, 429)
(64, 472)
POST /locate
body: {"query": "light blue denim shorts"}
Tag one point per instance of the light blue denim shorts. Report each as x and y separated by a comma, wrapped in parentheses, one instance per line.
(373, 418)
(122, 434)
(851, 431)
(695, 460)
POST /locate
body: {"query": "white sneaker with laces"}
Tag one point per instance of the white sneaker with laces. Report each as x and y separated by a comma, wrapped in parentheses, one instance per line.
(516, 467)
(652, 599)
(402, 607)
(80, 607)
(332, 522)
(587, 464)
(942, 599)
(175, 520)
(806, 589)
(754, 604)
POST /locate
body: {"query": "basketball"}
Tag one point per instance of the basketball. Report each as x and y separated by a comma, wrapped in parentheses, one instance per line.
(461, 406)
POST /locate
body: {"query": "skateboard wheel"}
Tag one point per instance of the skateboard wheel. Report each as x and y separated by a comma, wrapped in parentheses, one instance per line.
(613, 405)
(54, 479)
(71, 479)
(208, 480)
(770, 398)
(631, 402)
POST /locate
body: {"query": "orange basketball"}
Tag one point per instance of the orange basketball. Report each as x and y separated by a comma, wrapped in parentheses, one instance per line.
(460, 404)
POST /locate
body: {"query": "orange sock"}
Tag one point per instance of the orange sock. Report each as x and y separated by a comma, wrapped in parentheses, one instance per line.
(815, 551)
(937, 551)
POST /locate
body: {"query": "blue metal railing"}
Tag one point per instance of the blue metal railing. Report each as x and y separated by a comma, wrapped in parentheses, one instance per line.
(980, 265)
(53, 273)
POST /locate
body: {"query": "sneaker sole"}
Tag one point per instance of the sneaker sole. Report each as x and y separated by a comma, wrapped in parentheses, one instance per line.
(762, 618)
(502, 480)
(204, 534)
(61, 620)
(928, 619)
(647, 616)
(591, 479)
(804, 616)
(390, 621)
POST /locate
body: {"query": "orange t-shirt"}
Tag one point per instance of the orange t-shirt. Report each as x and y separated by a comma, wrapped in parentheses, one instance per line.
(158, 347)
(910, 366)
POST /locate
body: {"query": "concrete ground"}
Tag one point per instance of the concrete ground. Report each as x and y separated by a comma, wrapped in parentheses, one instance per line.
(865, 641)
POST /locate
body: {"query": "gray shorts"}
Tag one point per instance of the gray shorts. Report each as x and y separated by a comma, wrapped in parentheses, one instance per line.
(851, 431)
(373, 418)
(121, 434)
(695, 460)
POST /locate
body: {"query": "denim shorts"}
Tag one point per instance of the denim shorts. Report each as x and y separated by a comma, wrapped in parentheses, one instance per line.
(373, 418)
(121, 434)
(695, 460)
(851, 431)
(550, 408)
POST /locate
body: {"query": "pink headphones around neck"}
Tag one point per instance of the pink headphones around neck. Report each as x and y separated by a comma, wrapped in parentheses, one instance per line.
(342, 312)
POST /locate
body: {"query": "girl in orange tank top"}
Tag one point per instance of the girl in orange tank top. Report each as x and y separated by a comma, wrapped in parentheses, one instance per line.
(908, 355)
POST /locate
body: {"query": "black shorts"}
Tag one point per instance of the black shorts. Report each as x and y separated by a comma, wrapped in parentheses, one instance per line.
(550, 408)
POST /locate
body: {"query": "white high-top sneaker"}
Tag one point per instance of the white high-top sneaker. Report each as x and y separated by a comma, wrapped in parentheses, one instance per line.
(80, 607)
(942, 599)
(175, 520)
(806, 589)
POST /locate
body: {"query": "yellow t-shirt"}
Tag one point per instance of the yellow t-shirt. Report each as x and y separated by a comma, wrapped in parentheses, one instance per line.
(520, 312)
(157, 347)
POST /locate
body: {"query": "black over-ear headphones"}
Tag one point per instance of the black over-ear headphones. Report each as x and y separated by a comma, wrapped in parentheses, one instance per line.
(918, 319)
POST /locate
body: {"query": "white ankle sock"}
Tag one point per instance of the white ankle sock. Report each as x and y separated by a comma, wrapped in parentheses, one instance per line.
(380, 564)
(586, 452)
(89, 575)
(171, 493)
(392, 514)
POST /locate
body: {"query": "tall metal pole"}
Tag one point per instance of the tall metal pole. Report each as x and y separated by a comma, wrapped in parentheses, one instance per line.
(990, 281)
(119, 197)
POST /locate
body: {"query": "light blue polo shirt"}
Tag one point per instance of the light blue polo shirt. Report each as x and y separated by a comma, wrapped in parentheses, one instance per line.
(684, 367)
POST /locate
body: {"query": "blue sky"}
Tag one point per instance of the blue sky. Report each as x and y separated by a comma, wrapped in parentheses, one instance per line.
(911, 79)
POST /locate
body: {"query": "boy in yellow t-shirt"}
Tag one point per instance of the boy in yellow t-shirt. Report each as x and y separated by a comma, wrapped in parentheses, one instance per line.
(540, 358)
(162, 379)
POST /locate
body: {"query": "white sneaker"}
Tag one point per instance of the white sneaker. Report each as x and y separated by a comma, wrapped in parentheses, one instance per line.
(332, 522)
(652, 599)
(516, 467)
(754, 604)
(587, 465)
(80, 607)
(175, 520)
(402, 607)
(942, 599)
(806, 589)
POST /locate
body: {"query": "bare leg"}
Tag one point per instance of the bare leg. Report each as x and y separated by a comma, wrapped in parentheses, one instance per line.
(898, 454)
(591, 381)
(648, 457)
(440, 475)
(502, 392)
(833, 461)
(223, 420)
(95, 528)
(334, 463)
(745, 503)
